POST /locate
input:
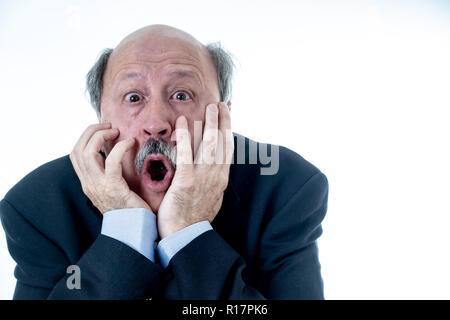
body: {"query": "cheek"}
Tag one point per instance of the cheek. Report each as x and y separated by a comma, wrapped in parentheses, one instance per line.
(125, 131)
(127, 128)
(124, 134)
(115, 116)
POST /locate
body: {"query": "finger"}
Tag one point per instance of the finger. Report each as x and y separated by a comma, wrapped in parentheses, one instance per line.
(224, 117)
(184, 150)
(211, 117)
(76, 155)
(93, 162)
(225, 129)
(113, 163)
(87, 134)
(99, 138)
(208, 147)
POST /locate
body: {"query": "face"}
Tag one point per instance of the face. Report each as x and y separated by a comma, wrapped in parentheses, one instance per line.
(151, 79)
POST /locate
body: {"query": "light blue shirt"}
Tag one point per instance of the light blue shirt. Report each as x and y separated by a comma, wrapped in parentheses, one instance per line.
(136, 227)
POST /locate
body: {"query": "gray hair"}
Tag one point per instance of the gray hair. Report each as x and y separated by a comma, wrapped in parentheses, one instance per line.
(94, 79)
(223, 62)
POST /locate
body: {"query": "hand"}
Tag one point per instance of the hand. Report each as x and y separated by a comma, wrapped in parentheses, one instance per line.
(196, 192)
(101, 179)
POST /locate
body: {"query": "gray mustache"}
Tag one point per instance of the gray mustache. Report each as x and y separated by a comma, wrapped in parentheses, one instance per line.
(155, 146)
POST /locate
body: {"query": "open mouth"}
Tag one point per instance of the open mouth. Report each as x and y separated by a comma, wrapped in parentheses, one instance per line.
(157, 172)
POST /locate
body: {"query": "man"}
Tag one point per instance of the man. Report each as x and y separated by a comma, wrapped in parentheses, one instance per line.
(144, 208)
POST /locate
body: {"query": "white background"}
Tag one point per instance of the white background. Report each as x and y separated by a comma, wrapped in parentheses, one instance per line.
(359, 88)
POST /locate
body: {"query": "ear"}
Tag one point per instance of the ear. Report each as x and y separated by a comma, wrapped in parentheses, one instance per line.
(229, 105)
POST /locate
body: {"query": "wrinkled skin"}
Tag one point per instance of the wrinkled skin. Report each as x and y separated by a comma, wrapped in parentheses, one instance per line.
(158, 81)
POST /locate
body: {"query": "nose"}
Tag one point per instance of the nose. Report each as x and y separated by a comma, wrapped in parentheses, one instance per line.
(156, 122)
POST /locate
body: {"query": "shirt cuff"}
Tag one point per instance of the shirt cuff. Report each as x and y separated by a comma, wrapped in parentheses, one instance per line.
(173, 243)
(135, 227)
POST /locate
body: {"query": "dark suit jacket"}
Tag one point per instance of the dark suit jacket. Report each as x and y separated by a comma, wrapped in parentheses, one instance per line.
(263, 244)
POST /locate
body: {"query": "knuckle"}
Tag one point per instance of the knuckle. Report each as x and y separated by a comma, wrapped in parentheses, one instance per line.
(93, 127)
(211, 135)
(210, 143)
(189, 189)
(109, 189)
(111, 162)
(98, 135)
(189, 185)
(91, 152)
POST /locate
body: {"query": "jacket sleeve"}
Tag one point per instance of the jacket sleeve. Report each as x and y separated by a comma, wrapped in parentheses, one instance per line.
(109, 269)
(288, 264)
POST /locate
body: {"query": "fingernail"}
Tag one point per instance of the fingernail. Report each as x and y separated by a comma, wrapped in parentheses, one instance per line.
(212, 107)
(182, 119)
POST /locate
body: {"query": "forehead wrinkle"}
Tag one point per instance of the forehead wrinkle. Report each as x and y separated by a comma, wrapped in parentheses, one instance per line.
(155, 60)
(124, 74)
(131, 75)
(127, 71)
(160, 57)
(185, 74)
(141, 58)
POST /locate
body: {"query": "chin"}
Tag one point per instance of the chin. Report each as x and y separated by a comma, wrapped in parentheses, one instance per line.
(153, 199)
(153, 181)
(155, 178)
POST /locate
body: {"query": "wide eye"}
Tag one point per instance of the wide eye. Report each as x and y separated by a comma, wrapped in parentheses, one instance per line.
(133, 97)
(181, 96)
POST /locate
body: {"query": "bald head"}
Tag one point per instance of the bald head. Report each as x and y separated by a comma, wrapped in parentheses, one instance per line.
(157, 42)
(160, 32)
